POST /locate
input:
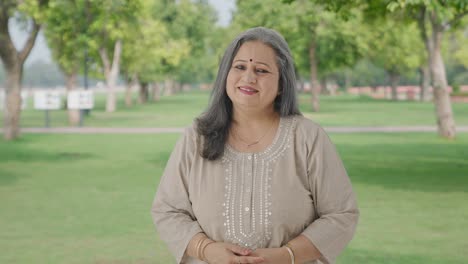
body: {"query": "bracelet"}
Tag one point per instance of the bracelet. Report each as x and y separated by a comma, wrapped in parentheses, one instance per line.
(290, 251)
(198, 246)
(202, 255)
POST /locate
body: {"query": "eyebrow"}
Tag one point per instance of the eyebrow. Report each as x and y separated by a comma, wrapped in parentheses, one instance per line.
(259, 62)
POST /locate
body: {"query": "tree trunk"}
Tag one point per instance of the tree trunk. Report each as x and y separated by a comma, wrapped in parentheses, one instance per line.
(424, 82)
(144, 93)
(314, 82)
(111, 72)
(323, 86)
(129, 91)
(13, 61)
(156, 92)
(168, 87)
(73, 114)
(301, 84)
(12, 110)
(443, 105)
(347, 80)
(394, 80)
(177, 87)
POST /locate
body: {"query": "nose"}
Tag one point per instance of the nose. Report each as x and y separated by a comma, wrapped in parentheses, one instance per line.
(250, 76)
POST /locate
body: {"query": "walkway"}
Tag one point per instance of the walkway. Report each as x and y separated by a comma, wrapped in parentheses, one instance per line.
(154, 130)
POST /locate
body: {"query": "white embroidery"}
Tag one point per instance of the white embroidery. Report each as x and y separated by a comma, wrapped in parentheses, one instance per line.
(247, 206)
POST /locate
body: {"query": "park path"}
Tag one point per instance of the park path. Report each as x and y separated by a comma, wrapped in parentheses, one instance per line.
(157, 130)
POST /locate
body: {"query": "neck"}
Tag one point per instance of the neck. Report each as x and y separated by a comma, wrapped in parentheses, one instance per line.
(253, 119)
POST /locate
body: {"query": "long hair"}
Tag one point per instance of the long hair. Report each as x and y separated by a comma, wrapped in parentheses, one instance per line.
(214, 124)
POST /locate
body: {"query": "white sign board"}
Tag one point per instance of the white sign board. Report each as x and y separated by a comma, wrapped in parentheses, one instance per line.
(80, 99)
(24, 100)
(47, 100)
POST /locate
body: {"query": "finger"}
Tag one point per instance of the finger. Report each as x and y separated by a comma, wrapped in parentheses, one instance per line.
(239, 250)
(250, 260)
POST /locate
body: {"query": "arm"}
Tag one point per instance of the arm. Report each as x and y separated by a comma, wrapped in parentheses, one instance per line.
(334, 202)
(172, 210)
(302, 248)
(334, 199)
(174, 217)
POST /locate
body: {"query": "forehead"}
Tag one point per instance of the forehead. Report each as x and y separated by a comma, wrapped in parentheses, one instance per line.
(257, 51)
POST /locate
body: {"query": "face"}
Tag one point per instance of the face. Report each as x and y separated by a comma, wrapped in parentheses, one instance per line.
(252, 81)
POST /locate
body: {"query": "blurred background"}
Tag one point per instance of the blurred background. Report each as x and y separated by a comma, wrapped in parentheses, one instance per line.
(94, 95)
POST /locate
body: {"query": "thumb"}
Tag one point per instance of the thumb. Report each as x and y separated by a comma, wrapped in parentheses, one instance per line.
(239, 250)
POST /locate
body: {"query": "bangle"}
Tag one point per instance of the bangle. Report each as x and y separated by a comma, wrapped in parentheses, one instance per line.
(199, 243)
(290, 251)
(202, 255)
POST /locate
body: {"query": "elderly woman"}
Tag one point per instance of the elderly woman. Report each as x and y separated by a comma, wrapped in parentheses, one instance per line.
(253, 181)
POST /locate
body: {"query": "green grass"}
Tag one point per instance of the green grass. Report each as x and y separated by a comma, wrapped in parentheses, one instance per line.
(179, 110)
(86, 198)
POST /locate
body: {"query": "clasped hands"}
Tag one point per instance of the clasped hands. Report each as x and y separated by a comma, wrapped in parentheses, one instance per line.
(228, 253)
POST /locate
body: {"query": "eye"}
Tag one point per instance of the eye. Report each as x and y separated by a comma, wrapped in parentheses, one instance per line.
(262, 71)
(239, 67)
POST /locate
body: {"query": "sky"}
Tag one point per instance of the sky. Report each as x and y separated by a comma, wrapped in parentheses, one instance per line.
(42, 52)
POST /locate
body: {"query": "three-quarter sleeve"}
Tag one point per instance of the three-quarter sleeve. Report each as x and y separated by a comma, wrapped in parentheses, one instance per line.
(333, 198)
(172, 209)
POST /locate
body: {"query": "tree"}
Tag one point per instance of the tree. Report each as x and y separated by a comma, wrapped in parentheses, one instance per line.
(191, 22)
(435, 18)
(395, 47)
(65, 32)
(110, 21)
(13, 60)
(149, 49)
(196, 22)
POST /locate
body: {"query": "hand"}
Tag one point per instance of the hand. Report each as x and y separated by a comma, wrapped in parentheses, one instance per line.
(273, 255)
(227, 253)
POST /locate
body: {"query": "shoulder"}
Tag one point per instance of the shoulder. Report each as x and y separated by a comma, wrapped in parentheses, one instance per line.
(189, 139)
(306, 128)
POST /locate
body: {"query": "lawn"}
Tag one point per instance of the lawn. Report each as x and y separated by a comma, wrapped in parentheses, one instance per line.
(86, 198)
(179, 110)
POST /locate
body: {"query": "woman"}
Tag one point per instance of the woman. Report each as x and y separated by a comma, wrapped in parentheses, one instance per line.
(253, 181)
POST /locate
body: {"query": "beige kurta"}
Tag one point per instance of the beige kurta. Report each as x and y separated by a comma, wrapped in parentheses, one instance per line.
(298, 185)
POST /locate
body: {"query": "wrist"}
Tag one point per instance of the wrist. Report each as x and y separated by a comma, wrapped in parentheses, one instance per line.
(290, 253)
(204, 246)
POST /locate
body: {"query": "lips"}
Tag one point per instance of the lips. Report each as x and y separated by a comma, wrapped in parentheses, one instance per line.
(247, 90)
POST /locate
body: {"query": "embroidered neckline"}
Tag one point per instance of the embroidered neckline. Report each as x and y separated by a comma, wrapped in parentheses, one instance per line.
(282, 131)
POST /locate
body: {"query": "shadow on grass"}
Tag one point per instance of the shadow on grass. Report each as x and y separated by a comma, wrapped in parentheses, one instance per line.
(19, 151)
(409, 166)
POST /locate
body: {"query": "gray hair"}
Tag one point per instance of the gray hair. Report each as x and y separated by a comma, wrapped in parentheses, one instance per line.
(213, 125)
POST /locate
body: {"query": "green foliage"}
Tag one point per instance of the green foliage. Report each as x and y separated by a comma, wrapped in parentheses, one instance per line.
(365, 73)
(395, 46)
(66, 33)
(195, 23)
(149, 47)
(35, 9)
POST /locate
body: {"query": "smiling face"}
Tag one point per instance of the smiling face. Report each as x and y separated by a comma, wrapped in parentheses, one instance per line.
(252, 81)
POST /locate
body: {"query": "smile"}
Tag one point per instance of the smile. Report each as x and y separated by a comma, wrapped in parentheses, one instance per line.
(247, 90)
